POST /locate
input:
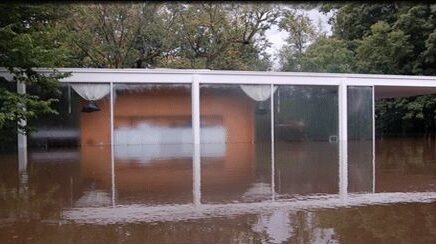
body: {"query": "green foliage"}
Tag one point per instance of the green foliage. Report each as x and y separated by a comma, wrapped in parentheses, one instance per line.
(301, 32)
(419, 22)
(300, 28)
(29, 38)
(354, 20)
(290, 59)
(383, 51)
(398, 38)
(327, 55)
(119, 35)
(203, 35)
(384, 38)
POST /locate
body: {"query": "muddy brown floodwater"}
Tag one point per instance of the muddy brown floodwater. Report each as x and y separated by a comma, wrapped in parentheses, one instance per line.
(232, 194)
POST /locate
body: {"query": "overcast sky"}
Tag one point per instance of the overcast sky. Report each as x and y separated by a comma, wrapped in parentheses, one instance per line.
(277, 38)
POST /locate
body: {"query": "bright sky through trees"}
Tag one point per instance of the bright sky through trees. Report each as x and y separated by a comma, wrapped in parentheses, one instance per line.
(278, 38)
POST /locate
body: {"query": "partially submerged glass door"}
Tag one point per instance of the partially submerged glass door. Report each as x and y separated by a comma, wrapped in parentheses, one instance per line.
(235, 143)
(306, 145)
(153, 143)
(360, 139)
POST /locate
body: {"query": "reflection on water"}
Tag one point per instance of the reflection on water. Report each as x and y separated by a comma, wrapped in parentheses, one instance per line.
(405, 165)
(361, 166)
(300, 172)
(239, 176)
(148, 194)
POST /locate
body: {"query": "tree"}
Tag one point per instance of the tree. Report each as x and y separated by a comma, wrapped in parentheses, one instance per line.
(29, 38)
(213, 36)
(383, 51)
(103, 35)
(300, 28)
(352, 21)
(418, 22)
(301, 32)
(224, 36)
(398, 38)
(327, 55)
(121, 35)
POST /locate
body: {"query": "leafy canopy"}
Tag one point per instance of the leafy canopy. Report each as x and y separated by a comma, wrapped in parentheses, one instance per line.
(29, 38)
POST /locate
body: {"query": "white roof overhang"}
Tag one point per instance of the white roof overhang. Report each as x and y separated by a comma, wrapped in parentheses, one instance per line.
(385, 85)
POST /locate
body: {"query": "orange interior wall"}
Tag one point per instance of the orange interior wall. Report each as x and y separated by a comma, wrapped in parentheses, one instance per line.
(95, 126)
(163, 107)
(236, 111)
(170, 107)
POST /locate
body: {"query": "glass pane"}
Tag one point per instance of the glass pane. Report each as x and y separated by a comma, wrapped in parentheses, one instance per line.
(63, 129)
(153, 138)
(306, 135)
(70, 151)
(235, 143)
(360, 144)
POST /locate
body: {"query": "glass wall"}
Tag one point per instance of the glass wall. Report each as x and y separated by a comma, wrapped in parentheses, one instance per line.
(235, 123)
(153, 143)
(71, 150)
(83, 119)
(57, 130)
(153, 140)
(360, 138)
(306, 140)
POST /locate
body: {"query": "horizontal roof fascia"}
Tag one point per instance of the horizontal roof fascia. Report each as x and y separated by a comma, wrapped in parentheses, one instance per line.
(104, 75)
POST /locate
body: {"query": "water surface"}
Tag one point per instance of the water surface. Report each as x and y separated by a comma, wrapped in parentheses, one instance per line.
(157, 194)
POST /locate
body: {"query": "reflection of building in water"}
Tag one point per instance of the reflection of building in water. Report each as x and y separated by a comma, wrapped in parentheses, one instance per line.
(297, 227)
(360, 166)
(305, 168)
(276, 225)
(167, 178)
(232, 174)
(237, 175)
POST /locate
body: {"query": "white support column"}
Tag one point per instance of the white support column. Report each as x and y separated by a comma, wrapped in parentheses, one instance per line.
(196, 166)
(22, 146)
(343, 140)
(196, 175)
(273, 187)
(22, 138)
(195, 98)
(111, 97)
(373, 139)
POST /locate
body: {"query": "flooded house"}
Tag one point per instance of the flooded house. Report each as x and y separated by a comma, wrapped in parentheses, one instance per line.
(165, 136)
(249, 126)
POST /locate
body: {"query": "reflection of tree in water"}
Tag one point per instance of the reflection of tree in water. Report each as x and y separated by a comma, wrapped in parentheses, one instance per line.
(29, 201)
(407, 223)
(409, 155)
